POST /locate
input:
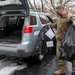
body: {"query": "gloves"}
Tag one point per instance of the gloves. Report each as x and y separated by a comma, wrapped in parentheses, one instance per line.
(69, 22)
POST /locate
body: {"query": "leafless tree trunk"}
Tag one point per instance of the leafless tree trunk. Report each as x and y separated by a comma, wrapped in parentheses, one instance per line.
(52, 4)
(66, 1)
(60, 1)
(35, 5)
(42, 5)
(32, 7)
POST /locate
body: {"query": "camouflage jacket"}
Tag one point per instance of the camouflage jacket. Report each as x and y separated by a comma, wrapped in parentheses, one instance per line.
(62, 26)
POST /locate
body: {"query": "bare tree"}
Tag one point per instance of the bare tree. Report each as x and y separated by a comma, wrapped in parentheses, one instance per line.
(31, 6)
(42, 5)
(53, 3)
(35, 4)
(67, 1)
(60, 1)
(50, 4)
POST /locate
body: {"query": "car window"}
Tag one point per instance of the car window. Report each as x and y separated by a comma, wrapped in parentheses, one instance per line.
(33, 19)
(43, 19)
(15, 20)
(50, 19)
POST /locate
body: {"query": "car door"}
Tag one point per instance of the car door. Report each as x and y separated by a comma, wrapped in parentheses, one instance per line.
(34, 22)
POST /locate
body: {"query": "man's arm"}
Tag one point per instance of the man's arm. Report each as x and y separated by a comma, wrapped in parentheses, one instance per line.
(52, 24)
(73, 19)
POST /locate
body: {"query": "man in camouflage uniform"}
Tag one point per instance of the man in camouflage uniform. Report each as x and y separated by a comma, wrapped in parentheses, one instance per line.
(62, 28)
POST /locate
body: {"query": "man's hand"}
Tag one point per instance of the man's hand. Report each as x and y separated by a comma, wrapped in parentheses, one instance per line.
(73, 23)
(48, 24)
(52, 25)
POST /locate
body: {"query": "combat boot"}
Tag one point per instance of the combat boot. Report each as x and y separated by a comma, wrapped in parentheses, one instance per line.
(73, 66)
(60, 71)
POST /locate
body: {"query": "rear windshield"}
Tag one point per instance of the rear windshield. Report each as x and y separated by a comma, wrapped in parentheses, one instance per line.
(12, 20)
(7, 2)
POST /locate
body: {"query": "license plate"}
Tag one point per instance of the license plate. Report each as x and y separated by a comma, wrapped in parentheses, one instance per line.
(49, 43)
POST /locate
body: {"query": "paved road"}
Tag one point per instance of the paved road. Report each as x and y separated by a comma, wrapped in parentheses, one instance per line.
(8, 65)
(47, 67)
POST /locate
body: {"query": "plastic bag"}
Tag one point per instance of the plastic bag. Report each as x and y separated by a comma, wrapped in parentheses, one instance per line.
(67, 49)
(41, 46)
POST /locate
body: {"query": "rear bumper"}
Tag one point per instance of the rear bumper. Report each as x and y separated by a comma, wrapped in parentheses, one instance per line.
(15, 50)
(7, 53)
(24, 54)
(15, 54)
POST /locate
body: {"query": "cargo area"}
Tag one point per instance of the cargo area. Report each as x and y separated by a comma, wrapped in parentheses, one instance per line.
(11, 29)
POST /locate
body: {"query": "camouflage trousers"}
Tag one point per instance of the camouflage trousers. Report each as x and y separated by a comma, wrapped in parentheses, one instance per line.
(60, 61)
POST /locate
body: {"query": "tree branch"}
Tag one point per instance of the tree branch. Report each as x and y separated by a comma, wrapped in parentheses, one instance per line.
(52, 4)
(60, 1)
(66, 1)
(35, 5)
(42, 5)
(31, 4)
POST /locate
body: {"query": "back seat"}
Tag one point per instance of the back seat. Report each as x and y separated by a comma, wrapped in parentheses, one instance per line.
(17, 25)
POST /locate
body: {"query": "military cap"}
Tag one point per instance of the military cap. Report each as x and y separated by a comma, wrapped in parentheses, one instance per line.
(59, 7)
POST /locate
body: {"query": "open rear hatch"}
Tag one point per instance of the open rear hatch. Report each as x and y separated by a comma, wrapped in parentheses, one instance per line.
(11, 30)
(13, 6)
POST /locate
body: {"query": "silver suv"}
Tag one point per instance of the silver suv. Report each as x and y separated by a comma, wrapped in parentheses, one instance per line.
(18, 33)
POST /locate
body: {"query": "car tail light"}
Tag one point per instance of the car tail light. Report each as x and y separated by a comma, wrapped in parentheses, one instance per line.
(28, 29)
(20, 50)
(21, 53)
